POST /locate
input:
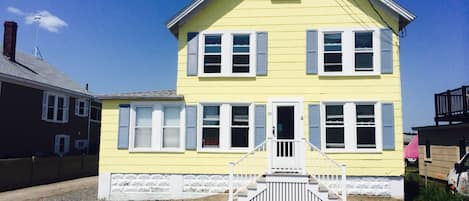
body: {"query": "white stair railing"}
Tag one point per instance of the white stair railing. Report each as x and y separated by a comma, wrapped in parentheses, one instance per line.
(247, 169)
(327, 171)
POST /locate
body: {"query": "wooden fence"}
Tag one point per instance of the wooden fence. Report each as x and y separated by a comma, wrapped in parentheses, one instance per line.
(24, 172)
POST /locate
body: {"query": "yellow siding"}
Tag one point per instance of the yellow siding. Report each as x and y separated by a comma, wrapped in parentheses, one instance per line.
(286, 21)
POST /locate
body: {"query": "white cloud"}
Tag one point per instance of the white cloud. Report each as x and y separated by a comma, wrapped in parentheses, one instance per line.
(44, 18)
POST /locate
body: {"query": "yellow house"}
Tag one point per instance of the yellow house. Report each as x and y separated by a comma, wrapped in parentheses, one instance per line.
(275, 100)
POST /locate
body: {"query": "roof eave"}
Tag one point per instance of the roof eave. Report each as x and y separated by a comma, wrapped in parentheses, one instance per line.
(155, 98)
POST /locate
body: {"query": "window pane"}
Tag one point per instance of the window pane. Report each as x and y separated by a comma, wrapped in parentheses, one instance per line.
(212, 63)
(212, 49)
(210, 137)
(334, 115)
(365, 114)
(240, 63)
(366, 137)
(51, 102)
(364, 61)
(332, 38)
(60, 109)
(240, 116)
(335, 138)
(143, 117)
(211, 115)
(213, 40)
(171, 116)
(364, 40)
(142, 137)
(171, 137)
(332, 62)
(241, 43)
(332, 48)
(50, 113)
(239, 137)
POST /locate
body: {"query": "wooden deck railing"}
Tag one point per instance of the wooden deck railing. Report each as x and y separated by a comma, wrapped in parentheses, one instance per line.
(452, 105)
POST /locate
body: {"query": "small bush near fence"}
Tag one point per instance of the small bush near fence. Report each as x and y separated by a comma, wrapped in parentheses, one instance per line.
(436, 190)
(24, 172)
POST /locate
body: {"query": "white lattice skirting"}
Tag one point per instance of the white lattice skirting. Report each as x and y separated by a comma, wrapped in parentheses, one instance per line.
(173, 186)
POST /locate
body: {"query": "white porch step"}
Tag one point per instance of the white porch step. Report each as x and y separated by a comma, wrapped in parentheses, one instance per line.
(300, 185)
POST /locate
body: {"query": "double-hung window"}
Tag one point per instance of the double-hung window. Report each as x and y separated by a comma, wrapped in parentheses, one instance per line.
(157, 126)
(212, 53)
(352, 126)
(240, 126)
(227, 53)
(171, 127)
(335, 126)
(211, 126)
(333, 52)
(143, 127)
(366, 126)
(225, 127)
(55, 108)
(241, 53)
(364, 51)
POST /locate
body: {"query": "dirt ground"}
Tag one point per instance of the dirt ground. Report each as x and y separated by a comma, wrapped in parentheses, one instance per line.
(86, 189)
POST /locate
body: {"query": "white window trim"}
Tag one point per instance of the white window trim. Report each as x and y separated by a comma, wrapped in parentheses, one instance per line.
(348, 52)
(86, 107)
(56, 96)
(350, 131)
(225, 127)
(227, 53)
(66, 148)
(157, 127)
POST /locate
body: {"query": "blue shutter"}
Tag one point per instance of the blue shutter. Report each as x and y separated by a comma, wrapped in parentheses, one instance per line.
(259, 123)
(191, 127)
(388, 126)
(386, 51)
(314, 121)
(192, 53)
(124, 122)
(261, 56)
(311, 52)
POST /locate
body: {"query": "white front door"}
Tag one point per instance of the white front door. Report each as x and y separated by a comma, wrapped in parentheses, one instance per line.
(287, 145)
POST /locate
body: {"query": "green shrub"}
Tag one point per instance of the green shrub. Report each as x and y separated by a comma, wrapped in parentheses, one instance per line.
(436, 193)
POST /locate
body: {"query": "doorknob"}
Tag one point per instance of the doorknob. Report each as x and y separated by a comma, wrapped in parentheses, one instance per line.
(273, 131)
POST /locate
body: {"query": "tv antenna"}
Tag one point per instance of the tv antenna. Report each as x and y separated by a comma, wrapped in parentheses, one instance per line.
(37, 52)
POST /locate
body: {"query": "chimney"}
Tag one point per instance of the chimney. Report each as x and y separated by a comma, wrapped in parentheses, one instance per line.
(9, 39)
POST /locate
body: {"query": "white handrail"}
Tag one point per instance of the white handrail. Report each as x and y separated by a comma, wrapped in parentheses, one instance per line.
(328, 172)
(243, 172)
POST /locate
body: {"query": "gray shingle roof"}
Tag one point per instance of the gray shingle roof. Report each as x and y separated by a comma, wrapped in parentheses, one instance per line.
(36, 71)
(153, 95)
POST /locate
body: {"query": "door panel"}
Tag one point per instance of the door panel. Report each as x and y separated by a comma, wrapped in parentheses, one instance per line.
(286, 122)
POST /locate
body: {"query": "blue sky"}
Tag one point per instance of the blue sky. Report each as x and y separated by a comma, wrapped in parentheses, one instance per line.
(123, 45)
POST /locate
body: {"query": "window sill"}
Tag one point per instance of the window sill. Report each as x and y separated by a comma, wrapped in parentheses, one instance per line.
(226, 75)
(360, 74)
(57, 122)
(149, 150)
(360, 151)
(78, 115)
(219, 150)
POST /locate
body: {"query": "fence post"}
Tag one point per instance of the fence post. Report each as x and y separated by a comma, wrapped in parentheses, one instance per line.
(344, 182)
(230, 190)
(270, 155)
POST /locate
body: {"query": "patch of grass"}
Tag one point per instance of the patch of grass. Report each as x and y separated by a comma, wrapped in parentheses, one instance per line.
(436, 190)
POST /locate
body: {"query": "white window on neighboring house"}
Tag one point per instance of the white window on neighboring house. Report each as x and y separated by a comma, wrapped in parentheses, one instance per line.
(157, 126)
(81, 144)
(211, 126)
(364, 51)
(335, 126)
(333, 52)
(81, 107)
(240, 126)
(143, 127)
(62, 145)
(227, 53)
(366, 126)
(55, 107)
(171, 126)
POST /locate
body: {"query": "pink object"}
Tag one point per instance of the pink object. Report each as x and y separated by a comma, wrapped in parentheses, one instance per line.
(412, 149)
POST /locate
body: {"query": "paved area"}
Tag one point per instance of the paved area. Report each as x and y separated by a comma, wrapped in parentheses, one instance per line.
(86, 189)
